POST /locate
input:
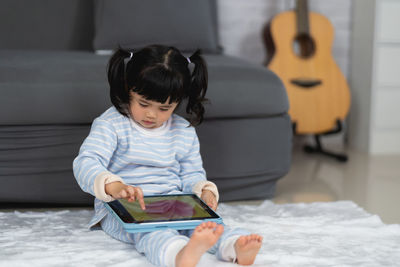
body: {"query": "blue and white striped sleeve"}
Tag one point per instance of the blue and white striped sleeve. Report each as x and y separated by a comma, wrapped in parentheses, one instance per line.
(94, 156)
(193, 174)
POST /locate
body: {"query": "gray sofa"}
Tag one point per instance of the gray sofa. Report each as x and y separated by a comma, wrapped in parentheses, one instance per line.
(53, 85)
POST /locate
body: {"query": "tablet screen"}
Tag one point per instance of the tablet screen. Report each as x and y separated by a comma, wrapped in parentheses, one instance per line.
(163, 208)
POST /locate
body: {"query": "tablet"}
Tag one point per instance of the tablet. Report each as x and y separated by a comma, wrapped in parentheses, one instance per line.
(183, 211)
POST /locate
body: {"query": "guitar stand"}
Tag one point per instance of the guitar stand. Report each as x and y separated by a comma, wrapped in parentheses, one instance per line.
(318, 147)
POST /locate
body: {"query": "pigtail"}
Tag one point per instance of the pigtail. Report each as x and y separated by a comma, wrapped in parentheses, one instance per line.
(198, 88)
(119, 92)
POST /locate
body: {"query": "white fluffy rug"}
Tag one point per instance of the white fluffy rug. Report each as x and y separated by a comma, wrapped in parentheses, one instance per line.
(317, 234)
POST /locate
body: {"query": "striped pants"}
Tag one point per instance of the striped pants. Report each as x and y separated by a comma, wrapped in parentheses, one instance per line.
(161, 247)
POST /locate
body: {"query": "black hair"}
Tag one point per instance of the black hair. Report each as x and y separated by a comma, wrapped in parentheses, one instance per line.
(158, 73)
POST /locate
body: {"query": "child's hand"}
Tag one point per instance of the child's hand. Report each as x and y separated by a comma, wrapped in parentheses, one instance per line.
(209, 198)
(131, 193)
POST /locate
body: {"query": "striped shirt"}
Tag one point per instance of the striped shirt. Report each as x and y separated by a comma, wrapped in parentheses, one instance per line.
(165, 160)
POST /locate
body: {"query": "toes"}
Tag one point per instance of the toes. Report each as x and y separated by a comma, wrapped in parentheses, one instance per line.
(219, 229)
(249, 239)
(255, 238)
(206, 225)
(242, 240)
(199, 227)
(210, 225)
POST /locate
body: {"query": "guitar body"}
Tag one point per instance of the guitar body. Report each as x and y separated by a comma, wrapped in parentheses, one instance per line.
(318, 92)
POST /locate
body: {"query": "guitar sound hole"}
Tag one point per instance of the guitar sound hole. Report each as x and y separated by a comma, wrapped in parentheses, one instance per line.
(304, 45)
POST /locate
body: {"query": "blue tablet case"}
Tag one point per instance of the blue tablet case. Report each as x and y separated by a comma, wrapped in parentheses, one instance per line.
(137, 227)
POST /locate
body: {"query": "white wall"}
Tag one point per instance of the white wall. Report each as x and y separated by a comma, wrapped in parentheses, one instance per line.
(241, 23)
(385, 119)
(375, 76)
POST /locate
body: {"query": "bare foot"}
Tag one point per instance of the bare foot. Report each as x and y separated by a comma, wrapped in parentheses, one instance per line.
(247, 247)
(203, 238)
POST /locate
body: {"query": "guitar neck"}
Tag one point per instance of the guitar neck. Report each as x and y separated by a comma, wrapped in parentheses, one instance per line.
(303, 26)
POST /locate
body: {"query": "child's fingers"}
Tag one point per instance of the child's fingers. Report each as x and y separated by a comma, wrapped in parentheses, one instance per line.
(211, 202)
(213, 205)
(139, 197)
(123, 194)
(131, 193)
(135, 193)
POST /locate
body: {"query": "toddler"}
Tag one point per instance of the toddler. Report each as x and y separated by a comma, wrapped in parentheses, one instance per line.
(140, 147)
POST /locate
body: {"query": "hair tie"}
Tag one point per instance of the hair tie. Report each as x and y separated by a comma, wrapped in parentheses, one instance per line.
(130, 57)
(188, 59)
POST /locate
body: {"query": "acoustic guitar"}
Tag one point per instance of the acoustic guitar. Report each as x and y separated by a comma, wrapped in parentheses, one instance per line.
(299, 45)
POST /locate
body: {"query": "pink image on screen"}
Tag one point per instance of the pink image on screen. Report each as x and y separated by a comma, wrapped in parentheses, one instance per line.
(170, 209)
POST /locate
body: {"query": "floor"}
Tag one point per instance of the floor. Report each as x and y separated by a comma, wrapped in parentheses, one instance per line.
(373, 182)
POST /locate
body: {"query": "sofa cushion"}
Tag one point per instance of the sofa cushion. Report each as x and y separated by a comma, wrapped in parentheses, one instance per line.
(239, 89)
(36, 162)
(243, 150)
(44, 24)
(44, 87)
(244, 157)
(185, 24)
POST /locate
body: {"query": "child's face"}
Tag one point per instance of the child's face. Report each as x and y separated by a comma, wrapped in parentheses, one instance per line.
(150, 114)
